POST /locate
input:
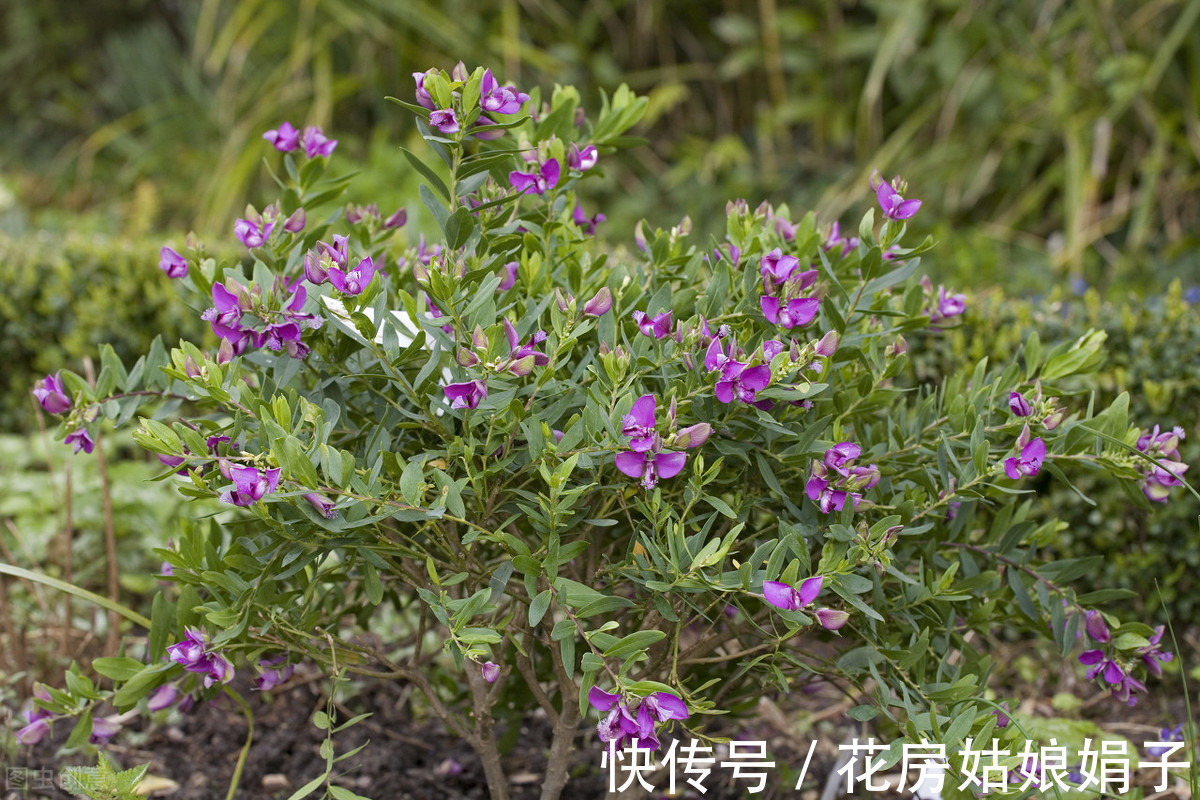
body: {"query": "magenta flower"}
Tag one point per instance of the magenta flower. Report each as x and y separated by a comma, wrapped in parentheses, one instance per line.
(339, 251)
(252, 234)
(466, 395)
(1096, 627)
(285, 138)
(620, 725)
(522, 358)
(584, 159)
(1152, 653)
(422, 93)
(272, 672)
(836, 240)
(832, 619)
(588, 224)
(80, 440)
(834, 480)
(444, 120)
(249, 485)
(539, 182)
(396, 220)
(103, 729)
(1019, 406)
(324, 506)
(658, 326)
(600, 304)
(316, 143)
(788, 598)
(172, 263)
(741, 382)
(354, 281)
(510, 276)
(795, 314)
(650, 466)
(52, 395)
(777, 267)
(639, 425)
(894, 206)
(1028, 463)
(497, 99)
(296, 222)
(1165, 447)
(163, 697)
(194, 654)
(491, 671)
(949, 305)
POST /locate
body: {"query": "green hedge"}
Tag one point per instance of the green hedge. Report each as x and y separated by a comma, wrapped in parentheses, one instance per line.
(1153, 353)
(64, 296)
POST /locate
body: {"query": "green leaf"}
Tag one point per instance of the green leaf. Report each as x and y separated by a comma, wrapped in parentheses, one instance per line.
(863, 713)
(118, 669)
(308, 788)
(427, 173)
(639, 640)
(539, 606)
(459, 227)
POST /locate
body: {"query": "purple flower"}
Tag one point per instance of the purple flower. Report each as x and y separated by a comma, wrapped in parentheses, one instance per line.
(252, 234)
(272, 672)
(285, 138)
(832, 619)
(650, 466)
(836, 240)
(1152, 653)
(834, 480)
(249, 485)
(466, 395)
(52, 395)
(1096, 627)
(296, 222)
(1028, 463)
(788, 598)
(354, 281)
(1165, 737)
(1165, 447)
(324, 506)
(658, 326)
(338, 252)
(1019, 406)
(600, 304)
(422, 93)
(315, 142)
(741, 382)
(663, 706)
(80, 440)
(536, 182)
(795, 314)
(620, 725)
(103, 729)
(163, 697)
(588, 224)
(510, 276)
(194, 655)
(33, 732)
(894, 206)
(172, 263)
(949, 305)
(491, 671)
(497, 99)
(444, 120)
(640, 422)
(584, 159)
(778, 267)
(397, 220)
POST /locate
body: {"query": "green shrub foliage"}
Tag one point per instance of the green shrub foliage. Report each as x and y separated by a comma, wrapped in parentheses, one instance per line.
(665, 478)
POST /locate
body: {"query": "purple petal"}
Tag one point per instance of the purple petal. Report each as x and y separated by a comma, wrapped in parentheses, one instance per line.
(780, 595)
(632, 464)
(809, 590)
(668, 706)
(770, 308)
(602, 700)
(643, 411)
(756, 378)
(668, 465)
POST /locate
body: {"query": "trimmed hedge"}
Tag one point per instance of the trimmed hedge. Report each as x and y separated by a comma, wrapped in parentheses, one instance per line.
(64, 296)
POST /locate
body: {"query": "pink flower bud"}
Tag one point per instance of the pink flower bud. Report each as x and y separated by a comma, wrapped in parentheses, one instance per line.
(397, 220)
(491, 671)
(832, 619)
(295, 223)
(600, 303)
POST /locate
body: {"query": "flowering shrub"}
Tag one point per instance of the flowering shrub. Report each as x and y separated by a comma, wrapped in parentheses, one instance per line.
(647, 484)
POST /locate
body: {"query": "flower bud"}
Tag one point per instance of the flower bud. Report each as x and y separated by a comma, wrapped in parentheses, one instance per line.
(522, 366)
(565, 301)
(397, 220)
(827, 346)
(1019, 405)
(491, 671)
(322, 504)
(693, 435)
(600, 303)
(295, 223)
(1096, 628)
(313, 271)
(832, 619)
